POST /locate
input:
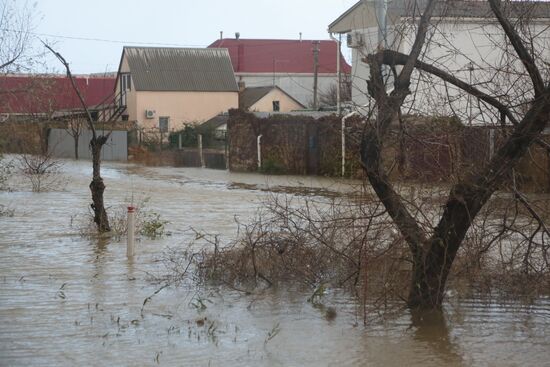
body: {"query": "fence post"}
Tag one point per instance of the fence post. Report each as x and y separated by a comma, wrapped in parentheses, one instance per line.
(354, 113)
(259, 147)
(200, 150)
(179, 141)
(226, 152)
(131, 231)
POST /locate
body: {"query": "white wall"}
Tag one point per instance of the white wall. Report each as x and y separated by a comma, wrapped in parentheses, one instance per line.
(452, 47)
(299, 86)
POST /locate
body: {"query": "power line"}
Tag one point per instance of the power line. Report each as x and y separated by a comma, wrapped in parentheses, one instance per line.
(98, 39)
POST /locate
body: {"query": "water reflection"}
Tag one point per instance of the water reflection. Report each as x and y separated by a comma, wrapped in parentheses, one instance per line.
(431, 327)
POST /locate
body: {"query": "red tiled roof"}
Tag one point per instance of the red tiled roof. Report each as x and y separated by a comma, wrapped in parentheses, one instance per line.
(44, 94)
(280, 56)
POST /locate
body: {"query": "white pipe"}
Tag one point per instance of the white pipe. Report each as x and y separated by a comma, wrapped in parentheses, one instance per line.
(131, 232)
(259, 147)
(354, 113)
(200, 151)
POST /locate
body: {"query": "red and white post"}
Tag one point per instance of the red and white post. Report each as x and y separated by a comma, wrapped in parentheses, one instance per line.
(131, 231)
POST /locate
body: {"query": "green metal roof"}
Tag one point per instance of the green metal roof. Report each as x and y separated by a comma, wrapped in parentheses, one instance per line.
(181, 69)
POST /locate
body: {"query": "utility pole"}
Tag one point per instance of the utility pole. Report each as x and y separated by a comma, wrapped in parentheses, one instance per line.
(381, 7)
(315, 72)
(381, 15)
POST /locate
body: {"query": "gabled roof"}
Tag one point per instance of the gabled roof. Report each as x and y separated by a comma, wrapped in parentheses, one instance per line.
(29, 94)
(214, 123)
(180, 69)
(281, 56)
(250, 96)
(361, 15)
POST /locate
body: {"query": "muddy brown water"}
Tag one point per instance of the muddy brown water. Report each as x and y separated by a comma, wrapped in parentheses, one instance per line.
(69, 301)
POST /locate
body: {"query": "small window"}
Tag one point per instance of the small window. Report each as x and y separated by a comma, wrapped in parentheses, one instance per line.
(125, 82)
(163, 124)
(276, 106)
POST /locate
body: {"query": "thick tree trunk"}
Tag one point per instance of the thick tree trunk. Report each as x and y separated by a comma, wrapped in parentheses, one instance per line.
(97, 187)
(433, 257)
(433, 264)
(429, 277)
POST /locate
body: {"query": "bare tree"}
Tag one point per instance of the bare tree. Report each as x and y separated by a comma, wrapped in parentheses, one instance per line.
(16, 39)
(41, 170)
(75, 125)
(329, 97)
(434, 249)
(97, 187)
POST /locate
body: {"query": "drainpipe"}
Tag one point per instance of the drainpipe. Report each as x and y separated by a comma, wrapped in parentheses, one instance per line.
(351, 114)
(259, 147)
(338, 84)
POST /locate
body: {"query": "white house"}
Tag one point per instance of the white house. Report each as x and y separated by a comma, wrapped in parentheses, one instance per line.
(287, 64)
(464, 39)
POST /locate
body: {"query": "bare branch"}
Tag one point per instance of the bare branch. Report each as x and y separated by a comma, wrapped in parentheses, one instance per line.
(392, 58)
(522, 52)
(75, 87)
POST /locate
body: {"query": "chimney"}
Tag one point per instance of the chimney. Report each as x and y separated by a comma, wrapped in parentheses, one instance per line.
(240, 57)
(237, 35)
(300, 36)
(221, 35)
(241, 85)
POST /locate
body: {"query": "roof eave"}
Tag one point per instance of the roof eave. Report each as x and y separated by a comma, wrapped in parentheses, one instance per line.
(332, 25)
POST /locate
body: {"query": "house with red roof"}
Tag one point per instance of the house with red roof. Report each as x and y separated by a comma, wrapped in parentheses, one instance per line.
(287, 64)
(47, 96)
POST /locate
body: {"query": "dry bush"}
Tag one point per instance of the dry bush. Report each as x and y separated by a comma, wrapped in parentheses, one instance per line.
(148, 223)
(6, 168)
(351, 243)
(41, 170)
(506, 251)
(315, 244)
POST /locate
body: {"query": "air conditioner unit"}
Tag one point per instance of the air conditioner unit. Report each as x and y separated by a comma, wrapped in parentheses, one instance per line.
(355, 40)
(150, 114)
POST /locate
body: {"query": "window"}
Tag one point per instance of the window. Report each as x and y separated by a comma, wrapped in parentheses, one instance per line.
(125, 82)
(163, 124)
(276, 106)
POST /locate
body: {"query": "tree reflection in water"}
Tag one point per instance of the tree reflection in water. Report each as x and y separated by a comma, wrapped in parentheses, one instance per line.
(431, 328)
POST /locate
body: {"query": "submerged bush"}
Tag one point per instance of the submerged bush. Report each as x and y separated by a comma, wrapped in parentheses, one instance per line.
(6, 168)
(152, 226)
(41, 170)
(351, 243)
(6, 211)
(147, 222)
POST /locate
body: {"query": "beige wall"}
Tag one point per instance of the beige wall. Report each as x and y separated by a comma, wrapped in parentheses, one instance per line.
(265, 104)
(180, 107)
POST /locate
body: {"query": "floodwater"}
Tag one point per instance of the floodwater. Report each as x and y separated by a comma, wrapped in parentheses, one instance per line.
(67, 301)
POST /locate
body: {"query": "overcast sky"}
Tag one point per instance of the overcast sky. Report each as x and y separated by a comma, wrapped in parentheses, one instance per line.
(183, 23)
